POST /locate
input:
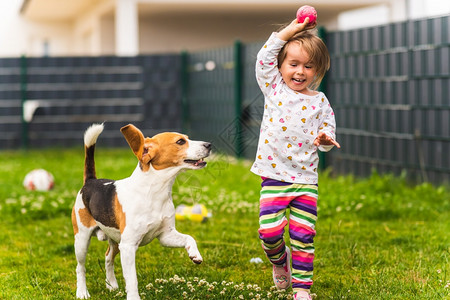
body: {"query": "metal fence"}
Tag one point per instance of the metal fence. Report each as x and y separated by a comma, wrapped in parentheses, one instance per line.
(389, 86)
(211, 105)
(50, 101)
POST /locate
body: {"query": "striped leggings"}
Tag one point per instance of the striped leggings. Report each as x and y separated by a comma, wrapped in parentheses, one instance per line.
(276, 197)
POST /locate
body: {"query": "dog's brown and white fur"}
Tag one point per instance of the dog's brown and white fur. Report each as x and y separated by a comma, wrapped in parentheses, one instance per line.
(131, 212)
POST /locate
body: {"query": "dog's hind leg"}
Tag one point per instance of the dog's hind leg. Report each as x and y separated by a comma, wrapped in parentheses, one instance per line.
(82, 241)
(113, 250)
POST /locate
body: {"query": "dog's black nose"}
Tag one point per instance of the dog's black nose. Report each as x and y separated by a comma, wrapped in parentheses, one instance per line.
(207, 146)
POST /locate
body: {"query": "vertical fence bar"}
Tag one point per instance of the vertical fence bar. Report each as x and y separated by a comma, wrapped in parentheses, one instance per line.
(23, 94)
(323, 88)
(238, 96)
(184, 92)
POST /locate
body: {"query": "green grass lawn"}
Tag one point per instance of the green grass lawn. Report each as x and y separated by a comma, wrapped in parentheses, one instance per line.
(377, 238)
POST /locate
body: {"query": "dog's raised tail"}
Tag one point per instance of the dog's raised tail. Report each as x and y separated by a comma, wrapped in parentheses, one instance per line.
(90, 139)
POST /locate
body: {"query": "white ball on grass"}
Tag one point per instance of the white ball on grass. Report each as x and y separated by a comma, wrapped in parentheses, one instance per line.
(39, 180)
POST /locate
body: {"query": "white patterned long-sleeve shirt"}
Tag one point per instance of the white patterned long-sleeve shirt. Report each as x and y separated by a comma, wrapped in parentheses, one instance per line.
(290, 123)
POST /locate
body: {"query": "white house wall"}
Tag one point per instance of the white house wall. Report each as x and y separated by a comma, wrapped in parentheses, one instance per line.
(94, 29)
(130, 27)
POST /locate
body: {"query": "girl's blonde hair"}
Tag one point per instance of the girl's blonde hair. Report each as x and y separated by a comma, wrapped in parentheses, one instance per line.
(316, 50)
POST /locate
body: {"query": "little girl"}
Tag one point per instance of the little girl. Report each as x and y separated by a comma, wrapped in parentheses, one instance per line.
(297, 121)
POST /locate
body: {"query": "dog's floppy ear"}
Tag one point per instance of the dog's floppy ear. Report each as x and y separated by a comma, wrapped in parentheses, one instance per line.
(135, 139)
(150, 149)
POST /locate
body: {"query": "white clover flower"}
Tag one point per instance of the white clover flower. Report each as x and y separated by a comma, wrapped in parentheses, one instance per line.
(10, 201)
(178, 278)
(149, 286)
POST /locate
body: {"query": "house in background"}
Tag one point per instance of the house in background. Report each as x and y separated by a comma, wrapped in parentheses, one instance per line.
(131, 27)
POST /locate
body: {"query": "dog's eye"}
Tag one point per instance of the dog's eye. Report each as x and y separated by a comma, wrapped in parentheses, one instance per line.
(181, 142)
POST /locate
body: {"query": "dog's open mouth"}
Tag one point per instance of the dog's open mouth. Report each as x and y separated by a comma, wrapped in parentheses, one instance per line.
(196, 163)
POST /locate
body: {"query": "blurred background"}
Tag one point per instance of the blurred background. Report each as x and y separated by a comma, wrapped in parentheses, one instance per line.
(131, 27)
(175, 65)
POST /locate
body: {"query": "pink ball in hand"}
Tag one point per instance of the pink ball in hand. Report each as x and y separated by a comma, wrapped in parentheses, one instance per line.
(306, 11)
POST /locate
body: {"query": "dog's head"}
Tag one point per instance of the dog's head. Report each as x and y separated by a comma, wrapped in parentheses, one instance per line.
(166, 150)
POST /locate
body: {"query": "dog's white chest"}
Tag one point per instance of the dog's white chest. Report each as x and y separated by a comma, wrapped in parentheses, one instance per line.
(154, 230)
(143, 230)
(146, 216)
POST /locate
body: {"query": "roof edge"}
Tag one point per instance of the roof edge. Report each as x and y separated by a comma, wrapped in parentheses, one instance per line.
(24, 6)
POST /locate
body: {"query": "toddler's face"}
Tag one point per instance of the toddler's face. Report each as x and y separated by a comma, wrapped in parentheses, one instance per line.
(296, 69)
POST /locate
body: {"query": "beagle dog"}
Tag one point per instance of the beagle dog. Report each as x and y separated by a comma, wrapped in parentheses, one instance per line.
(131, 212)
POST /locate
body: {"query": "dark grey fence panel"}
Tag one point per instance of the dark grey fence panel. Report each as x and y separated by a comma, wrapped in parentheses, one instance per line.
(64, 95)
(225, 106)
(10, 103)
(211, 102)
(253, 101)
(389, 86)
(162, 93)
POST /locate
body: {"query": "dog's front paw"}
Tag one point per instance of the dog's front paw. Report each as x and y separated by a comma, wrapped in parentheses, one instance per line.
(192, 250)
(197, 259)
(112, 285)
(194, 255)
(133, 296)
(83, 294)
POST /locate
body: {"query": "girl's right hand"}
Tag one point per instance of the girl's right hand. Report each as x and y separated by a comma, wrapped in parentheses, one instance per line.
(293, 28)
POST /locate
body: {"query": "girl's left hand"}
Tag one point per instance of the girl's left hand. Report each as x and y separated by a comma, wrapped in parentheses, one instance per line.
(323, 139)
